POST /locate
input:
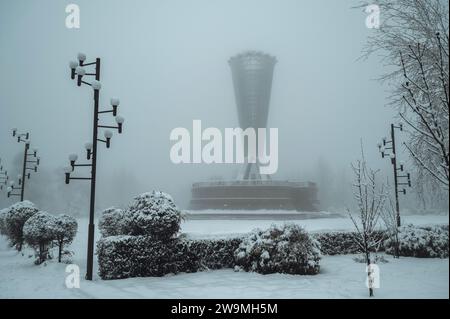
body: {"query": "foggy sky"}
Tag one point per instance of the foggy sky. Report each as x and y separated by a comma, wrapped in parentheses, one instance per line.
(167, 62)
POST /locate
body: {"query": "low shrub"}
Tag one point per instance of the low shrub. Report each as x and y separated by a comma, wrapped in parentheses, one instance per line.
(64, 232)
(214, 253)
(279, 249)
(39, 232)
(341, 243)
(423, 242)
(127, 256)
(142, 256)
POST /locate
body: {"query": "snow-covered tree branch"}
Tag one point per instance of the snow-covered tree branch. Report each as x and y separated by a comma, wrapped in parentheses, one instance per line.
(413, 40)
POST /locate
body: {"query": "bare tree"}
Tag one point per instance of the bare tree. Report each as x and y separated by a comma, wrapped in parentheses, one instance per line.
(370, 203)
(413, 41)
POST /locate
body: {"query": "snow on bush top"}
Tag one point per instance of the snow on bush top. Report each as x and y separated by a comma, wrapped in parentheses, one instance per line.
(26, 204)
(39, 228)
(153, 214)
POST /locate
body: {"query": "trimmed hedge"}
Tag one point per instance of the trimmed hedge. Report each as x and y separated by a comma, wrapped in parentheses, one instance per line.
(142, 256)
(422, 242)
(341, 243)
(215, 253)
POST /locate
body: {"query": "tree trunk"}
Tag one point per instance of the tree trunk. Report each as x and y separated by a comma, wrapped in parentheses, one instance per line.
(41, 253)
(368, 275)
(60, 251)
(397, 248)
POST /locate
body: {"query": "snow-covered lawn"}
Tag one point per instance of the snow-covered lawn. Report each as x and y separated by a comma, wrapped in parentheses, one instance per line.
(202, 228)
(340, 276)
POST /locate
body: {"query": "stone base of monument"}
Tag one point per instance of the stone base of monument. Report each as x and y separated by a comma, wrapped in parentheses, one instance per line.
(255, 195)
(257, 215)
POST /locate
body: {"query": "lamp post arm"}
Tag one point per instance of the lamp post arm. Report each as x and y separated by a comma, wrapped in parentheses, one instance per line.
(87, 83)
(82, 164)
(108, 111)
(90, 63)
(108, 126)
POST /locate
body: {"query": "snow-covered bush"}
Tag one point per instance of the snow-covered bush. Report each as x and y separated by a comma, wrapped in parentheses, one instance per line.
(141, 256)
(141, 240)
(64, 232)
(152, 214)
(341, 243)
(3, 213)
(416, 241)
(279, 249)
(39, 232)
(214, 253)
(16, 217)
(111, 222)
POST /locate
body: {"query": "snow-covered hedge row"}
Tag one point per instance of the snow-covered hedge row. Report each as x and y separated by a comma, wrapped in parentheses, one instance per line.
(143, 240)
(415, 241)
(340, 243)
(286, 249)
(141, 256)
(127, 256)
(279, 249)
(214, 253)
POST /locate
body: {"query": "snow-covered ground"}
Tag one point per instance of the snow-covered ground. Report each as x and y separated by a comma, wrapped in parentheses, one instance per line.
(230, 227)
(340, 276)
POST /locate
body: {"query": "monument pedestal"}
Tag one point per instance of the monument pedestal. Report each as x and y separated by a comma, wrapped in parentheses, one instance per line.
(252, 73)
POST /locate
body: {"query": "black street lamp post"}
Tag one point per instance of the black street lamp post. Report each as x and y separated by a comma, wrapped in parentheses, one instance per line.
(78, 72)
(24, 137)
(385, 146)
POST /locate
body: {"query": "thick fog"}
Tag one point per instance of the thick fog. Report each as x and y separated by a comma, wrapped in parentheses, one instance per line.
(167, 62)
